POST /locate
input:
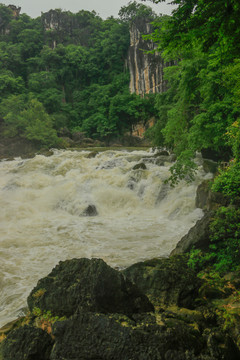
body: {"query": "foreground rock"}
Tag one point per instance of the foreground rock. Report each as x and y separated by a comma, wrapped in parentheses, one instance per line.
(166, 282)
(87, 285)
(27, 342)
(108, 317)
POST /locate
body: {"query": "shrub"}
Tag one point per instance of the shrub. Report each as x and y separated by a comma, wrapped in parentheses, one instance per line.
(224, 251)
(228, 181)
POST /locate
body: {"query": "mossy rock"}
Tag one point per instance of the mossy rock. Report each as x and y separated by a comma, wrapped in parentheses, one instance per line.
(166, 281)
(98, 336)
(27, 343)
(92, 154)
(140, 166)
(89, 285)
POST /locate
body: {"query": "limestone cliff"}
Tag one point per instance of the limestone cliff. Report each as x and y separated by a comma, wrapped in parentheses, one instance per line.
(15, 10)
(64, 27)
(4, 21)
(146, 70)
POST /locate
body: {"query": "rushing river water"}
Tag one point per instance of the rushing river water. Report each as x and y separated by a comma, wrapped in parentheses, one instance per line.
(42, 204)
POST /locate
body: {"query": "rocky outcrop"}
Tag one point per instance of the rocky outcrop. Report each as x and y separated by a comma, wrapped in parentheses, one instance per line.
(165, 281)
(102, 337)
(87, 285)
(108, 317)
(14, 12)
(62, 26)
(27, 342)
(198, 236)
(209, 200)
(140, 166)
(146, 70)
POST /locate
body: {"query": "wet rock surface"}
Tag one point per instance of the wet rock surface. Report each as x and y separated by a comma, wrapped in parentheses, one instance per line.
(165, 281)
(27, 342)
(198, 236)
(107, 315)
(90, 210)
(116, 338)
(87, 285)
(208, 200)
(141, 166)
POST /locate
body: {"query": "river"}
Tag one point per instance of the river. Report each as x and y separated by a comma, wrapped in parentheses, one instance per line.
(42, 205)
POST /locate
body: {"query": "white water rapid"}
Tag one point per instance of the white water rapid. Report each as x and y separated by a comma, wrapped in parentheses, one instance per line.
(42, 204)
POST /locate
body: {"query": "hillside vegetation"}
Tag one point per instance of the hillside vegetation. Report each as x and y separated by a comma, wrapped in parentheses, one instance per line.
(71, 74)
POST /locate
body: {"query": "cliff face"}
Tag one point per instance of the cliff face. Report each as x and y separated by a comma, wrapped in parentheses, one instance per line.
(146, 70)
(4, 24)
(63, 27)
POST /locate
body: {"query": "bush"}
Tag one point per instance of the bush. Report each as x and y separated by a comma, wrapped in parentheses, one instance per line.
(228, 181)
(224, 251)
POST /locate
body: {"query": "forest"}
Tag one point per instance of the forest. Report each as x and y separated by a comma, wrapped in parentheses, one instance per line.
(74, 77)
(50, 81)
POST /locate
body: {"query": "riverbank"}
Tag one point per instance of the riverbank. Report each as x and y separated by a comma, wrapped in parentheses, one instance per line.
(17, 146)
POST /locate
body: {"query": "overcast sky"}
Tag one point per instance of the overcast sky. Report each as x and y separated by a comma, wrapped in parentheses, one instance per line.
(104, 8)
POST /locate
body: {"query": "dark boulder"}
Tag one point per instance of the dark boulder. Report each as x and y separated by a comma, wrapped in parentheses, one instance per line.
(94, 336)
(97, 336)
(210, 166)
(163, 192)
(92, 154)
(27, 343)
(88, 285)
(159, 159)
(141, 166)
(109, 318)
(165, 281)
(209, 200)
(198, 236)
(161, 152)
(90, 210)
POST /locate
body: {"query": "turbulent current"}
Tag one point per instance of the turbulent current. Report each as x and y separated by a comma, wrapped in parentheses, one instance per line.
(43, 215)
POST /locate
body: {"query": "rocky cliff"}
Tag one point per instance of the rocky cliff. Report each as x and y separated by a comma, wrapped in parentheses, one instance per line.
(146, 70)
(64, 27)
(14, 12)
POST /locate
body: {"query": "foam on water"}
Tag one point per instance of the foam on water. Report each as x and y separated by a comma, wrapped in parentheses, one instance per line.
(42, 202)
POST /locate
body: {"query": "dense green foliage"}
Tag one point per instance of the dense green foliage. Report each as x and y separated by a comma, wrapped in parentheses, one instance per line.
(71, 74)
(201, 108)
(224, 251)
(228, 181)
(201, 111)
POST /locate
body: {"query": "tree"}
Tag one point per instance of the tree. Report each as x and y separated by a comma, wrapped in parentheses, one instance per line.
(133, 10)
(28, 118)
(199, 106)
(39, 125)
(9, 84)
(213, 22)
